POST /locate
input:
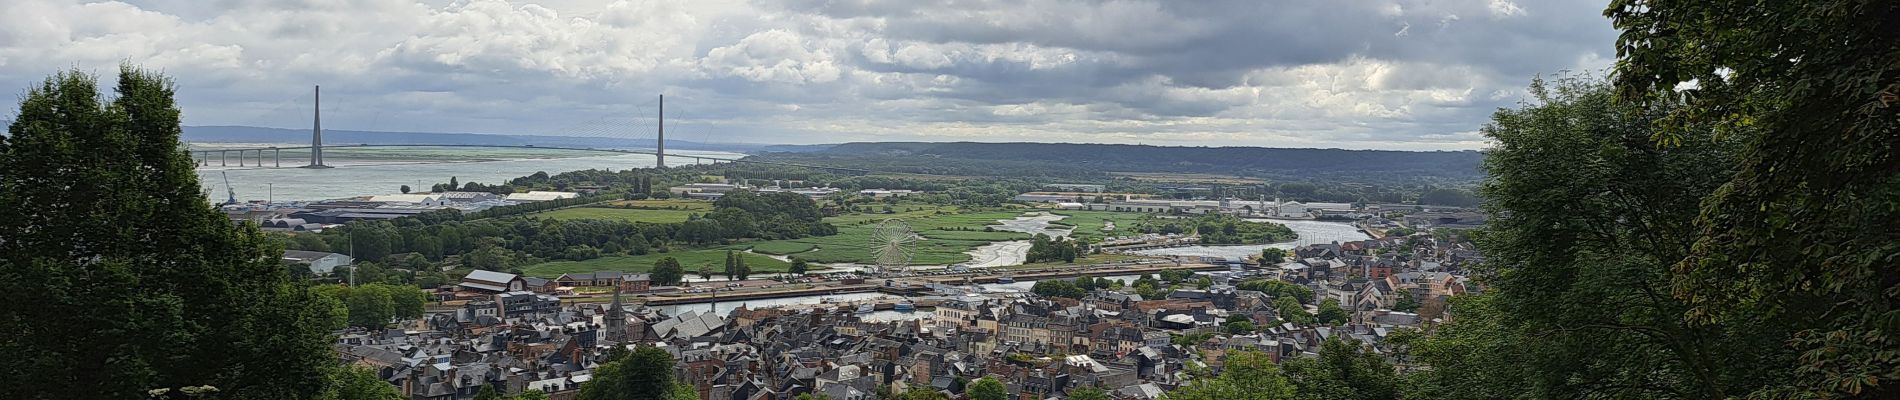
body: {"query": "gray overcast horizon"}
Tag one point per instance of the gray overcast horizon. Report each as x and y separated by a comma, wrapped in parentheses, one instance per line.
(1386, 74)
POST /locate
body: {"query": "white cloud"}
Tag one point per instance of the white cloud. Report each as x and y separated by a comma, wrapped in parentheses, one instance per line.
(1241, 72)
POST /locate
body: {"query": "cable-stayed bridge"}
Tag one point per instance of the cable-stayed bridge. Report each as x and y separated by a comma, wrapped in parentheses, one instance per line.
(603, 129)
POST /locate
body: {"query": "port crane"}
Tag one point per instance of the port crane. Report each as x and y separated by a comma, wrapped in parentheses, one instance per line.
(228, 189)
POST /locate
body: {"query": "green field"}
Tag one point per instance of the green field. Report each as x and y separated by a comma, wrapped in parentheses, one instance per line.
(666, 204)
(1088, 224)
(947, 230)
(692, 260)
(774, 247)
(621, 214)
(947, 236)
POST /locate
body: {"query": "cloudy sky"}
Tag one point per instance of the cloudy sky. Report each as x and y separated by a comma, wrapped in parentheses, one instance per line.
(1383, 74)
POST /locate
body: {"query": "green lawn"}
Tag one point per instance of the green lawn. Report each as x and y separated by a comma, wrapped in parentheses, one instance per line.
(692, 260)
(622, 214)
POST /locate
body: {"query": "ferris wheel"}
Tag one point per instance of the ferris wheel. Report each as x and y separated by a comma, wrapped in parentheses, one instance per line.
(893, 244)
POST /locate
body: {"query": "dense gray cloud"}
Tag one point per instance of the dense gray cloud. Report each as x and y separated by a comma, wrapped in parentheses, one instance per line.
(1391, 74)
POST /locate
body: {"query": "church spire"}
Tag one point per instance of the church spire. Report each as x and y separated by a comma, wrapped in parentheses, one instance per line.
(616, 320)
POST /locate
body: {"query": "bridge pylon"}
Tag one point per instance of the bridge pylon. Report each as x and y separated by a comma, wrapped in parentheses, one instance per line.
(316, 129)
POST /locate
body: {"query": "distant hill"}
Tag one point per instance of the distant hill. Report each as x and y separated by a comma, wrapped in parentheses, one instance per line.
(252, 134)
(1226, 160)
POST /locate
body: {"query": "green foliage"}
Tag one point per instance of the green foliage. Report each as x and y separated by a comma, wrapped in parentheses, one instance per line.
(799, 266)
(923, 393)
(357, 383)
(1087, 393)
(1797, 237)
(1406, 303)
(1292, 311)
(1058, 288)
(646, 374)
(1238, 327)
(1278, 288)
(690, 260)
(1344, 370)
(1330, 313)
(809, 396)
(370, 306)
(988, 388)
(119, 277)
(532, 394)
(735, 266)
(1587, 217)
(1248, 375)
(1191, 339)
(1272, 255)
(487, 392)
(667, 272)
(1044, 248)
(1218, 229)
(1449, 197)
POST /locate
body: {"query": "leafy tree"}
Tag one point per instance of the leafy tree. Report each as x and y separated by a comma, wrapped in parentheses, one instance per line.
(1331, 313)
(1238, 327)
(1343, 370)
(357, 383)
(405, 189)
(923, 393)
(1272, 255)
(1477, 356)
(532, 394)
(118, 274)
(988, 388)
(1292, 311)
(1791, 238)
(810, 396)
(371, 306)
(1058, 288)
(487, 392)
(409, 302)
(741, 270)
(646, 374)
(667, 271)
(1406, 303)
(336, 314)
(1588, 216)
(1249, 375)
(1087, 393)
(799, 266)
(1278, 288)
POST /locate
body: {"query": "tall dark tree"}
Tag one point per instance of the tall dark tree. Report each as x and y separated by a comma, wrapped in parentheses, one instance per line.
(120, 277)
(1588, 215)
(1798, 236)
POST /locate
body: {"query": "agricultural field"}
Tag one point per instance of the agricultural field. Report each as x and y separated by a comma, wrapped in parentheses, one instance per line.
(620, 214)
(714, 259)
(663, 204)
